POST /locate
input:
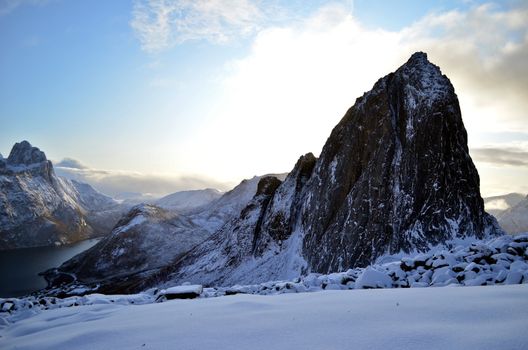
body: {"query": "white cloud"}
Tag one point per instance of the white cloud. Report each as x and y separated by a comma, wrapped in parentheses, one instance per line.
(8, 6)
(71, 163)
(497, 204)
(120, 184)
(501, 156)
(161, 24)
(283, 99)
(484, 52)
(300, 77)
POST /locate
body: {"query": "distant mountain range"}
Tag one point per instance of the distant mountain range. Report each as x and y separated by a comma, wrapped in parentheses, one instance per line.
(186, 200)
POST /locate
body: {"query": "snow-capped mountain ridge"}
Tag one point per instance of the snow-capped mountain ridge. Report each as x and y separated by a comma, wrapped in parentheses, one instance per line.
(184, 201)
(147, 237)
(38, 208)
(496, 205)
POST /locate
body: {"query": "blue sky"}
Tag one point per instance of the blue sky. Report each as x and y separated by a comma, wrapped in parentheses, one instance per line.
(111, 84)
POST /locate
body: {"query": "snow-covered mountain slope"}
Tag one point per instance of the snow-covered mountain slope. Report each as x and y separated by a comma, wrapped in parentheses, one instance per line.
(215, 214)
(497, 205)
(515, 219)
(147, 237)
(38, 208)
(395, 175)
(184, 201)
(422, 318)
(499, 261)
(102, 212)
(150, 237)
(242, 251)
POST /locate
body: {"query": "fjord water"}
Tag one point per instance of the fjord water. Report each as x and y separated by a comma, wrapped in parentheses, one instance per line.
(19, 268)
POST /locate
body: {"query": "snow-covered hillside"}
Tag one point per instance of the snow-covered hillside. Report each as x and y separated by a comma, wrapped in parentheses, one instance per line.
(147, 237)
(213, 215)
(187, 200)
(503, 260)
(428, 318)
(497, 205)
(515, 219)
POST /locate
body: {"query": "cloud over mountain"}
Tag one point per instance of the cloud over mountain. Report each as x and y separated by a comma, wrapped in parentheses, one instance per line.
(120, 184)
(510, 156)
(71, 163)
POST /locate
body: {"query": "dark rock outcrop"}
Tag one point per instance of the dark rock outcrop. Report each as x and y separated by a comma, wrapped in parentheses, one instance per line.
(394, 175)
(24, 153)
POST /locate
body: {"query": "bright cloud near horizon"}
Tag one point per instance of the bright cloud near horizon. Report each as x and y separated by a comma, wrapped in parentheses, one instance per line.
(175, 94)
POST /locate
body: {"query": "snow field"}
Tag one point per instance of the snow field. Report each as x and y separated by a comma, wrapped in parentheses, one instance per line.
(421, 318)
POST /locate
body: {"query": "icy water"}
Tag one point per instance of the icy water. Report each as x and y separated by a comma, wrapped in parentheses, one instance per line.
(19, 268)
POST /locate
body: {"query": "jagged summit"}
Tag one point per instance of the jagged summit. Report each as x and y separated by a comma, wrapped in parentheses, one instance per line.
(23, 153)
(24, 158)
(419, 57)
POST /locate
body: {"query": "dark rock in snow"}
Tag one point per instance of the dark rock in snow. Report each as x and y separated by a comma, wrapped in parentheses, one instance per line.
(279, 220)
(181, 292)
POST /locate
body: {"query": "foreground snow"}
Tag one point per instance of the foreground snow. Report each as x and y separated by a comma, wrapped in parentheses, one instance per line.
(491, 317)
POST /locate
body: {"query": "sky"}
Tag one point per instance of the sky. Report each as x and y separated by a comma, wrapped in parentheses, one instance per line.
(160, 96)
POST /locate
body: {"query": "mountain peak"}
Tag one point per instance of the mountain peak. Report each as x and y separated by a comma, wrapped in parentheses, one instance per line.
(23, 153)
(418, 56)
(421, 82)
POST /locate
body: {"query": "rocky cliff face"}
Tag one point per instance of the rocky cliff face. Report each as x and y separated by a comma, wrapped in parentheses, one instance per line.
(37, 208)
(394, 175)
